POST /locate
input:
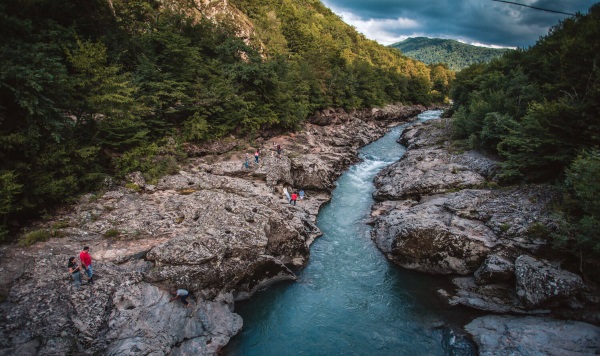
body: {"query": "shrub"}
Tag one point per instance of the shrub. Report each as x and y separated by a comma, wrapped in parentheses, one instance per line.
(3, 234)
(34, 236)
(110, 233)
(60, 225)
(133, 186)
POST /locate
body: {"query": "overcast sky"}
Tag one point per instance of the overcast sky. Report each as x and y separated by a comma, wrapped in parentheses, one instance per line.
(481, 22)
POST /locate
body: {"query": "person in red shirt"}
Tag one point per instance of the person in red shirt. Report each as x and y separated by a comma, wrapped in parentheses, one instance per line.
(86, 263)
(294, 198)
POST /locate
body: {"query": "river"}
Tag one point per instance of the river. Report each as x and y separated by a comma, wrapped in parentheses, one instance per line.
(348, 300)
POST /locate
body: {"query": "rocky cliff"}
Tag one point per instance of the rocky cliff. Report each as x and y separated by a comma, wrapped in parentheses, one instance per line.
(217, 228)
(440, 212)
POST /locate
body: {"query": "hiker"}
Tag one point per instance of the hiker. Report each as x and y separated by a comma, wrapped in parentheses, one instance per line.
(86, 263)
(182, 295)
(278, 150)
(75, 269)
(301, 193)
(294, 198)
(256, 154)
(247, 162)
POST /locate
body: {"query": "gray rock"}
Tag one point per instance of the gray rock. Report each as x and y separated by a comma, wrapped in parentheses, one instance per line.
(495, 268)
(427, 238)
(539, 283)
(508, 335)
(143, 322)
(424, 171)
(454, 232)
(496, 298)
(136, 178)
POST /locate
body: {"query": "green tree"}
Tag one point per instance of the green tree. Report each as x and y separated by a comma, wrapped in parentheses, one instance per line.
(580, 235)
(10, 191)
(105, 97)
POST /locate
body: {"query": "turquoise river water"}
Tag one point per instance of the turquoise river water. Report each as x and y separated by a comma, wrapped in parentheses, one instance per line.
(348, 300)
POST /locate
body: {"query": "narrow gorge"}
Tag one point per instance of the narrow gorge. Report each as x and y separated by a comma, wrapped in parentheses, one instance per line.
(226, 232)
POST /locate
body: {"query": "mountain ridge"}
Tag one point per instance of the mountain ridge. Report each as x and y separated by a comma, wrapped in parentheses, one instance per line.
(438, 50)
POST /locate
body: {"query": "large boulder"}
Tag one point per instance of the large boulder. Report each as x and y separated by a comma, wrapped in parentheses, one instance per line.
(428, 167)
(496, 298)
(509, 335)
(455, 232)
(427, 238)
(539, 283)
(167, 327)
(495, 268)
(424, 172)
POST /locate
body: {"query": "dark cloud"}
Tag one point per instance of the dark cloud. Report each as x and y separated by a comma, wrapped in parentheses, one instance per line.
(472, 21)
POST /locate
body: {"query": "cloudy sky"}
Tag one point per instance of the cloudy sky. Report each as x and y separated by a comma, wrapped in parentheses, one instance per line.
(482, 22)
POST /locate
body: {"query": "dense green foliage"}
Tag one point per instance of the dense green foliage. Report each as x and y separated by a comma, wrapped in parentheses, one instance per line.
(584, 213)
(101, 88)
(455, 54)
(539, 110)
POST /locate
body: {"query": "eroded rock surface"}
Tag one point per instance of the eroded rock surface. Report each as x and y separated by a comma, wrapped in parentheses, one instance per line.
(438, 213)
(216, 228)
(508, 335)
(539, 283)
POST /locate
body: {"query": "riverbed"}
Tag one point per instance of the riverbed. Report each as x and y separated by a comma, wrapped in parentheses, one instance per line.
(349, 299)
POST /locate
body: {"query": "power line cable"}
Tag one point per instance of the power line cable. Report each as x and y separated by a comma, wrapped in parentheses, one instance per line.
(537, 8)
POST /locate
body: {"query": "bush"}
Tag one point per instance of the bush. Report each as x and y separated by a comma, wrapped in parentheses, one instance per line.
(133, 186)
(60, 225)
(3, 234)
(110, 233)
(34, 236)
(584, 221)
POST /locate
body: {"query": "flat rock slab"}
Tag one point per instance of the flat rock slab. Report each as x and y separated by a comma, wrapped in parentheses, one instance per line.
(508, 335)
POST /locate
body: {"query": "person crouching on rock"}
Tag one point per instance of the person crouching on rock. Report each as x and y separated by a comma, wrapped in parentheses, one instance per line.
(75, 271)
(182, 295)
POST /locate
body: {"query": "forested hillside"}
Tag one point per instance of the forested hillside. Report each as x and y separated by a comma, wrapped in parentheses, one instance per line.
(91, 90)
(457, 55)
(539, 109)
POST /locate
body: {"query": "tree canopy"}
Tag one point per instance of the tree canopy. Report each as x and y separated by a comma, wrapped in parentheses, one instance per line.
(455, 54)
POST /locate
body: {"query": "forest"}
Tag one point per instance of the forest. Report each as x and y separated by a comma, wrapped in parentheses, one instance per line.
(455, 54)
(93, 90)
(538, 109)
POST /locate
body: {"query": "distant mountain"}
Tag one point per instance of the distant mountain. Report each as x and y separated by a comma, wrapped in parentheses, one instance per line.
(457, 55)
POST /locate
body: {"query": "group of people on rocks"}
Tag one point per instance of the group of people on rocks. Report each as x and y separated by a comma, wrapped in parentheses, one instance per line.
(247, 158)
(84, 265)
(294, 196)
(276, 148)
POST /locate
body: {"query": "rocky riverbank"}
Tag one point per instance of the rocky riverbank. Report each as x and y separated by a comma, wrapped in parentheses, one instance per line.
(439, 211)
(218, 229)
